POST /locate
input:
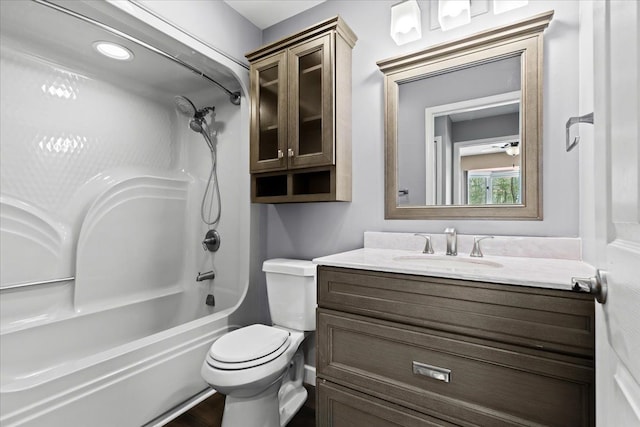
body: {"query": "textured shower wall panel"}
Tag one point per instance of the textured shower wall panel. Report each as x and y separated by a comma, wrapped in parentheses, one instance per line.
(61, 128)
(132, 242)
(34, 246)
(65, 139)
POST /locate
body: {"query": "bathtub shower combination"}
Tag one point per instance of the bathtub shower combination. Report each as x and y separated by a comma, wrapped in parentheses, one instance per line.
(106, 195)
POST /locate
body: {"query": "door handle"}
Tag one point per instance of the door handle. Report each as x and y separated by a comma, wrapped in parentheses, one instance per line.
(596, 285)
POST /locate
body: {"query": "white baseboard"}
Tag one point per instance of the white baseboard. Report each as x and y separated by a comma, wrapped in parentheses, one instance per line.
(310, 375)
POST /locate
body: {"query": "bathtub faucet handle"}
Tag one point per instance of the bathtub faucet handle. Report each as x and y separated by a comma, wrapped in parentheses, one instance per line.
(211, 241)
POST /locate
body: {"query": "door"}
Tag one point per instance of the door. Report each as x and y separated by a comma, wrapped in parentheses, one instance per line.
(311, 104)
(617, 216)
(269, 114)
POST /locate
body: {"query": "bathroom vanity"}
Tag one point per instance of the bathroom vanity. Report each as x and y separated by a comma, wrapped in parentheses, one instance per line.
(415, 339)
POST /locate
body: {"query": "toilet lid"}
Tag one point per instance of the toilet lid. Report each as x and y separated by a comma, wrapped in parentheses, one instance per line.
(248, 343)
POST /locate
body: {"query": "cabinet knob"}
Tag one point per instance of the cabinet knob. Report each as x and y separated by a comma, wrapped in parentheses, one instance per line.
(280, 154)
(290, 152)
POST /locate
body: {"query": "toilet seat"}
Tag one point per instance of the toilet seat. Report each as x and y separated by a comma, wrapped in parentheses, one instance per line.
(248, 347)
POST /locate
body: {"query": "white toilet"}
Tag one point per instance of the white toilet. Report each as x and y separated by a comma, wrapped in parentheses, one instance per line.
(260, 368)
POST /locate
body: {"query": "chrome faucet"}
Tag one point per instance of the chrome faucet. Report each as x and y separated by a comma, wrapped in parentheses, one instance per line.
(209, 275)
(428, 248)
(476, 251)
(452, 241)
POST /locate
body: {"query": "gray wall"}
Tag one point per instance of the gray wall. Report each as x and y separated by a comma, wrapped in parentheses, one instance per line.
(315, 229)
(214, 22)
(487, 127)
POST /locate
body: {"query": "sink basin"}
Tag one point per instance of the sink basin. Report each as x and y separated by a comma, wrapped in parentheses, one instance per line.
(449, 262)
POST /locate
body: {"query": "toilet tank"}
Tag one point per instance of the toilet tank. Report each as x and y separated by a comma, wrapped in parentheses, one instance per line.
(291, 289)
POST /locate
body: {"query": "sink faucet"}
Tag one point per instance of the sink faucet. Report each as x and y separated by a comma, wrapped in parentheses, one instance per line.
(428, 248)
(452, 241)
(476, 251)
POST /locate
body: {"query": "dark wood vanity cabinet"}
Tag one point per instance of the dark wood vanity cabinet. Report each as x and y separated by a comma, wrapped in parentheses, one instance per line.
(396, 349)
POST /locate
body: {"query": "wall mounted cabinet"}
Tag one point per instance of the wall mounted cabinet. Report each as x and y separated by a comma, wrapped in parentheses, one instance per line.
(414, 350)
(301, 116)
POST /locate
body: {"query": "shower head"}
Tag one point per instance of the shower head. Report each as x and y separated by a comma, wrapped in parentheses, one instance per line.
(185, 106)
(196, 125)
(198, 122)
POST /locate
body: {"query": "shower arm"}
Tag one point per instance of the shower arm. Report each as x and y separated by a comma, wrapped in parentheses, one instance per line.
(202, 113)
(234, 97)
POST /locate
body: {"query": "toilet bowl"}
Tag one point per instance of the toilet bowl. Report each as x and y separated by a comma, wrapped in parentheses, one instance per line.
(260, 368)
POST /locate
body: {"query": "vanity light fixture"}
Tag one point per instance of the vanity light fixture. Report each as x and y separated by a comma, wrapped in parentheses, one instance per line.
(113, 50)
(453, 13)
(406, 23)
(501, 6)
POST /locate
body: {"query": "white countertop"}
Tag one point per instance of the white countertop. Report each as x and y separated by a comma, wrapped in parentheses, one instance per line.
(523, 271)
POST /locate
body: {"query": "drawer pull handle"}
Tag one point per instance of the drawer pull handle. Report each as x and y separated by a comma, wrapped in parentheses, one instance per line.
(435, 372)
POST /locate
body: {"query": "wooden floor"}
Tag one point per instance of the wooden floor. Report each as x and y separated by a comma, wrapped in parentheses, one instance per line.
(209, 413)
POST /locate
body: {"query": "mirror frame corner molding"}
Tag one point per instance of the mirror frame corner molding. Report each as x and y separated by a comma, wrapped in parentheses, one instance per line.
(519, 38)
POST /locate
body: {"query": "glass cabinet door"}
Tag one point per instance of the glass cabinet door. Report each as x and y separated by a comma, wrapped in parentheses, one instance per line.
(269, 114)
(310, 104)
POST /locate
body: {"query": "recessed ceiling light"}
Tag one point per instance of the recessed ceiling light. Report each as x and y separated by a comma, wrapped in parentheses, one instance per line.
(113, 50)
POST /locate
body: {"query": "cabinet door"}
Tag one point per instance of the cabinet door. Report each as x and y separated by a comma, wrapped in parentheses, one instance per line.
(555, 320)
(269, 113)
(453, 377)
(311, 102)
(342, 407)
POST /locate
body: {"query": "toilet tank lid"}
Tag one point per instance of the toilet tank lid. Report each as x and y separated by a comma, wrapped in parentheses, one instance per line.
(296, 267)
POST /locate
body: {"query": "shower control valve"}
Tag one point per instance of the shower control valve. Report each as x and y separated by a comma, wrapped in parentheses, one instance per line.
(211, 241)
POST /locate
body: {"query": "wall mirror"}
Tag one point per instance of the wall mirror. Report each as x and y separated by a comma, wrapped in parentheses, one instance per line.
(463, 127)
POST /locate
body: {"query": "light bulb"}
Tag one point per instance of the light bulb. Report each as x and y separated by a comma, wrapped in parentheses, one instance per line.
(406, 24)
(453, 8)
(453, 13)
(113, 50)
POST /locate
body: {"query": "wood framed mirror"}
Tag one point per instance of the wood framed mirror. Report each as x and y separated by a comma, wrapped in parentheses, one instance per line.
(463, 127)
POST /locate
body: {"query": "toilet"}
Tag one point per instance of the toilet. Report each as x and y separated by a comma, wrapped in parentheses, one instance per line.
(260, 368)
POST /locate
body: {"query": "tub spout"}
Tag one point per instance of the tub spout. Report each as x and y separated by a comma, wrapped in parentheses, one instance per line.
(209, 275)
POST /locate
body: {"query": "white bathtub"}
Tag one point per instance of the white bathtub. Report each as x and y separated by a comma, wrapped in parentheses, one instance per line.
(104, 187)
(118, 367)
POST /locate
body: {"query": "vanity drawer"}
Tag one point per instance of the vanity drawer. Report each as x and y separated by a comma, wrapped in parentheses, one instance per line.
(341, 407)
(556, 320)
(488, 385)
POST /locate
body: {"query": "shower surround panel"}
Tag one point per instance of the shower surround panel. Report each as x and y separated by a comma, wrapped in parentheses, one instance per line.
(94, 167)
(101, 181)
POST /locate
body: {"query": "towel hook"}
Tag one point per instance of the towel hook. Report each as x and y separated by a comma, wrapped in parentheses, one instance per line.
(587, 118)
